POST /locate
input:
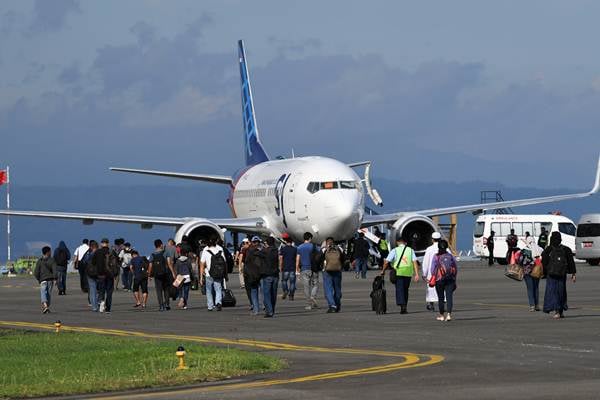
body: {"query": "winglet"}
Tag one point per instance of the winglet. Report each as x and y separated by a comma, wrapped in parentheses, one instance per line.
(596, 187)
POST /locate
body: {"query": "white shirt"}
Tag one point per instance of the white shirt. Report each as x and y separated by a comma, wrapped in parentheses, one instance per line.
(428, 259)
(206, 257)
(80, 252)
(125, 258)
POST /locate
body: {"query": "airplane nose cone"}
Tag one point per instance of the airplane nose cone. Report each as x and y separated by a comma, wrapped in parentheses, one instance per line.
(343, 216)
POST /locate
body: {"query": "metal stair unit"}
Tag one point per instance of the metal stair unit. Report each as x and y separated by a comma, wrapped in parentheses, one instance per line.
(494, 196)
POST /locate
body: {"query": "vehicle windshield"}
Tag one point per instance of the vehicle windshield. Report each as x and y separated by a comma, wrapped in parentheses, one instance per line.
(567, 228)
(588, 230)
(479, 226)
(314, 187)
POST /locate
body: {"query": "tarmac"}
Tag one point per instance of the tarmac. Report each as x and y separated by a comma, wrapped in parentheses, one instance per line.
(493, 349)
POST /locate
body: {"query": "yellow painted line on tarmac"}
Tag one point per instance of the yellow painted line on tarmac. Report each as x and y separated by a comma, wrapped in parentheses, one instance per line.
(410, 360)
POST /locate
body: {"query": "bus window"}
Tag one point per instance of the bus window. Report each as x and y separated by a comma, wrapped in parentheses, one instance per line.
(502, 229)
(567, 228)
(518, 227)
(540, 225)
(479, 227)
(527, 227)
(588, 230)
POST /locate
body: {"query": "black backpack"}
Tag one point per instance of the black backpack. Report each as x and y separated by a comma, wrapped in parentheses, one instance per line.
(61, 257)
(113, 262)
(254, 263)
(91, 269)
(218, 265)
(159, 265)
(557, 267)
(316, 260)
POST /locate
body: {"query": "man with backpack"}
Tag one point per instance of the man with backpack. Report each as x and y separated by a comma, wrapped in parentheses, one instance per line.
(163, 276)
(558, 261)
(333, 260)
(61, 256)
(213, 270)
(254, 262)
(270, 276)
(308, 266)
(107, 268)
(79, 266)
(512, 241)
(45, 272)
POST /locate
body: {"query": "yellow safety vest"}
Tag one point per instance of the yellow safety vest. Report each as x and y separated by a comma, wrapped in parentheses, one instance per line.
(383, 245)
(404, 266)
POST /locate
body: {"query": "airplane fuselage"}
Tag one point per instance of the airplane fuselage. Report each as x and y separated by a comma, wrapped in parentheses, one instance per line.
(319, 195)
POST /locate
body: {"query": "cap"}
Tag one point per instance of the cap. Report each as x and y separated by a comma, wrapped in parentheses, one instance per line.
(285, 235)
(104, 240)
(245, 240)
(436, 235)
(256, 239)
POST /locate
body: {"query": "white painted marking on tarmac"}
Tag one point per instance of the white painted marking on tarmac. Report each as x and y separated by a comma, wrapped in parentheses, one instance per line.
(557, 348)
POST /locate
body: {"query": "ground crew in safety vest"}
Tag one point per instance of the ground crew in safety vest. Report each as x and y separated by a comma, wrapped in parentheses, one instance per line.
(403, 261)
(384, 249)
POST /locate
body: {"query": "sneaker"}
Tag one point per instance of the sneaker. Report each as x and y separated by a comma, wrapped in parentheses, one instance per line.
(356, 275)
(185, 307)
(440, 318)
(143, 306)
(531, 309)
(219, 307)
(331, 310)
(537, 308)
(167, 308)
(210, 309)
(556, 316)
(45, 310)
(448, 317)
(102, 306)
(284, 295)
(338, 308)
(308, 308)
(314, 303)
(291, 297)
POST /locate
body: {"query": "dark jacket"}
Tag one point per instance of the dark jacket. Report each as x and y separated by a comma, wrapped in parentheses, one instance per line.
(271, 265)
(570, 265)
(45, 269)
(253, 265)
(99, 260)
(61, 256)
(361, 248)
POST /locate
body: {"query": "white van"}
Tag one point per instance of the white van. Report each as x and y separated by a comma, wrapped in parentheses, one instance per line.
(501, 224)
(587, 242)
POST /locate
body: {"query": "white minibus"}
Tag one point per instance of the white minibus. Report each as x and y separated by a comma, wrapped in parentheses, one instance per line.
(501, 224)
(587, 242)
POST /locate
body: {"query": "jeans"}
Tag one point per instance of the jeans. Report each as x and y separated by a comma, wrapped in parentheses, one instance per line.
(106, 286)
(93, 293)
(445, 291)
(533, 290)
(402, 285)
(332, 284)
(162, 292)
(361, 266)
(288, 282)
(126, 278)
(184, 292)
(269, 287)
(217, 286)
(61, 280)
(310, 283)
(46, 291)
(254, 301)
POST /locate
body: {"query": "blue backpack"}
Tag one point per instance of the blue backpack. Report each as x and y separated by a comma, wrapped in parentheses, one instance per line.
(446, 269)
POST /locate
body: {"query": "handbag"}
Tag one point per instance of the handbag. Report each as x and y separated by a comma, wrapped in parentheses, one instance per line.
(538, 270)
(514, 271)
(393, 276)
(178, 281)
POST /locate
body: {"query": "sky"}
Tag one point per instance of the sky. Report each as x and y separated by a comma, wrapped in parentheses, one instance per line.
(505, 92)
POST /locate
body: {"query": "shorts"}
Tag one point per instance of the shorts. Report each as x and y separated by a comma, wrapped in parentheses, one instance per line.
(143, 283)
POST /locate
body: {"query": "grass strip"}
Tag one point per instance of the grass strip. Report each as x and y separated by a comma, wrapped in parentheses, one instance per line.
(46, 363)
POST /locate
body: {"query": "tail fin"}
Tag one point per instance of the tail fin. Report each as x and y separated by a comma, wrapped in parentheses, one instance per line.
(255, 153)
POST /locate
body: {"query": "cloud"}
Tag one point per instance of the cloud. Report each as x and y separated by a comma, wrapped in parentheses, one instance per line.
(288, 47)
(51, 16)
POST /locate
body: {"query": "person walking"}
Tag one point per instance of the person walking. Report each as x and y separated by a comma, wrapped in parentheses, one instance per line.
(213, 270)
(170, 255)
(512, 242)
(106, 279)
(445, 270)
(384, 249)
(430, 292)
(490, 246)
(308, 269)
(270, 276)
(558, 261)
(61, 256)
(254, 261)
(287, 266)
(45, 273)
(126, 275)
(543, 239)
(163, 276)
(79, 266)
(240, 261)
(333, 261)
(183, 268)
(91, 272)
(139, 269)
(360, 256)
(404, 262)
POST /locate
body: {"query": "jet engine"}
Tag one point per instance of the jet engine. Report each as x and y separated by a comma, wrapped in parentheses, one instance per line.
(197, 230)
(415, 229)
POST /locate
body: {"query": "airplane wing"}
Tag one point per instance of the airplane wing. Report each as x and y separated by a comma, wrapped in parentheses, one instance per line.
(196, 177)
(233, 224)
(370, 220)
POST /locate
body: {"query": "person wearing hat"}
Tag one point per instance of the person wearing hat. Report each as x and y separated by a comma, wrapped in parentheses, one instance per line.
(240, 260)
(253, 265)
(404, 261)
(430, 292)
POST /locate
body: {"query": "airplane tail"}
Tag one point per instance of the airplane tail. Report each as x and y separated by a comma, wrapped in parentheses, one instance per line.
(255, 153)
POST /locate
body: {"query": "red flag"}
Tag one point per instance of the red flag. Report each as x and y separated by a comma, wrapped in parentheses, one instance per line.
(3, 177)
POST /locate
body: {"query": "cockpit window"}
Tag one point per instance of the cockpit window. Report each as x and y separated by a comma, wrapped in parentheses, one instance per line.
(314, 187)
(348, 185)
(329, 185)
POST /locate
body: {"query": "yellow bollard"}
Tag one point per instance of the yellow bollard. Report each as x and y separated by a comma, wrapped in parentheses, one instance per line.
(181, 356)
(58, 325)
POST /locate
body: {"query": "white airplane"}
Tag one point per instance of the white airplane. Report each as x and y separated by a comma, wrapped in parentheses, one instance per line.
(306, 194)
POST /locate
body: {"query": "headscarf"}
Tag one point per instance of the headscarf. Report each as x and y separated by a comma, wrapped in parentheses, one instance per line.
(555, 239)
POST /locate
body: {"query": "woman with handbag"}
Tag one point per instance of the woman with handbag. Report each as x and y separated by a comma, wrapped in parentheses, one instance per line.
(532, 272)
(443, 278)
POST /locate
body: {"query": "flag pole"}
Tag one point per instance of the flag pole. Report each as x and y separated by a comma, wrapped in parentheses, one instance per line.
(8, 208)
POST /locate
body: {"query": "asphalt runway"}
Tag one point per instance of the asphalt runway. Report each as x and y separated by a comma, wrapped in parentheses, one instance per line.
(493, 349)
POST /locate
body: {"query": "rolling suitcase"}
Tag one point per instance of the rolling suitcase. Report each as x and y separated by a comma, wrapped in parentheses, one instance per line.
(378, 296)
(228, 297)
